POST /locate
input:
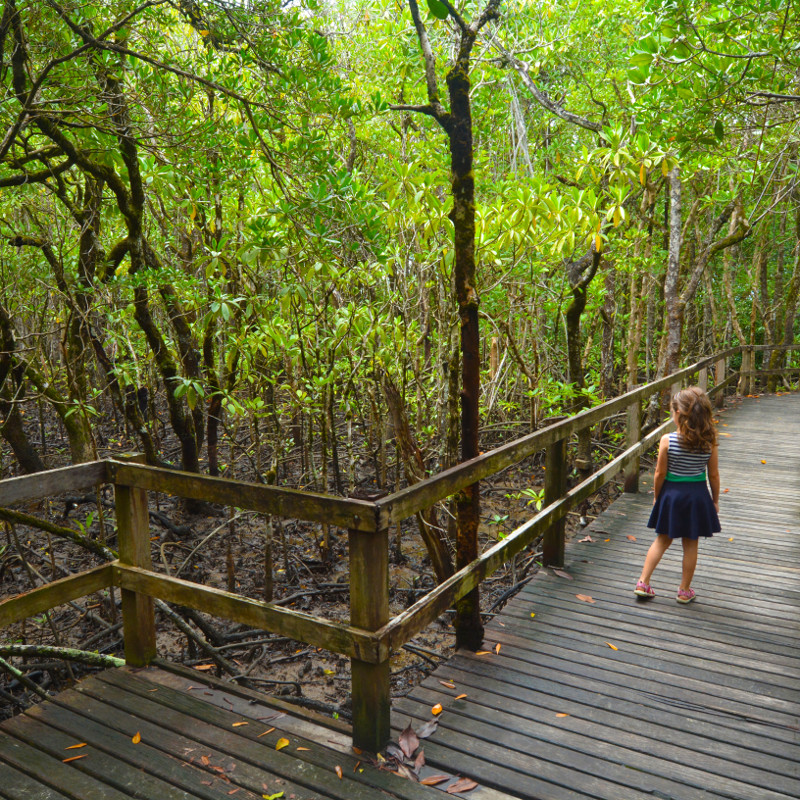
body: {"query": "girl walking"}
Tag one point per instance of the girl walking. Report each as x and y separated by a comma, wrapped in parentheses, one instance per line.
(682, 507)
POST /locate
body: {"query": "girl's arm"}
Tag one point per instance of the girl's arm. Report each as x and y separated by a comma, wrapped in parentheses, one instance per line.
(713, 476)
(661, 466)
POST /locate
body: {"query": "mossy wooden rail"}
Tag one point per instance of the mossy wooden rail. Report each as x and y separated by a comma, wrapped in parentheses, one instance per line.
(371, 635)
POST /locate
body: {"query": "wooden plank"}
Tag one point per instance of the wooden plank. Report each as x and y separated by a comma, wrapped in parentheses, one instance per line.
(344, 639)
(106, 731)
(313, 768)
(49, 769)
(525, 729)
(633, 433)
(275, 500)
(54, 594)
(16, 785)
(41, 485)
(424, 494)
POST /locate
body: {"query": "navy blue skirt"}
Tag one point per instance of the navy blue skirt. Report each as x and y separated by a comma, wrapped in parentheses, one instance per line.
(684, 510)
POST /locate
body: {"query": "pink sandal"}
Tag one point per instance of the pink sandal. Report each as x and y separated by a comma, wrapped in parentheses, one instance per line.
(685, 595)
(644, 590)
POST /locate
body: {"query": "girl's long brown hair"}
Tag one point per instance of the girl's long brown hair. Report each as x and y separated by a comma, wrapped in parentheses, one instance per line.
(695, 419)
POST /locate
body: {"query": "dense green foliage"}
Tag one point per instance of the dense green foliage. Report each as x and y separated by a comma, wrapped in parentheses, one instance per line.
(219, 202)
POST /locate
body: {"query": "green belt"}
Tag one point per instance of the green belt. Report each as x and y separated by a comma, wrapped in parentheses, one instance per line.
(686, 478)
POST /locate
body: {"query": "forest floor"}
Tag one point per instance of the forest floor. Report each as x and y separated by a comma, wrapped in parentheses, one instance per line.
(225, 548)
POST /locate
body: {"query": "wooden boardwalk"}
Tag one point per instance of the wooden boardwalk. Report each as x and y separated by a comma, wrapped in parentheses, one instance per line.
(697, 701)
(691, 702)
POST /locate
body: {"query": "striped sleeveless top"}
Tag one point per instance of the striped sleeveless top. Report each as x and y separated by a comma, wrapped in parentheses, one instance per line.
(683, 464)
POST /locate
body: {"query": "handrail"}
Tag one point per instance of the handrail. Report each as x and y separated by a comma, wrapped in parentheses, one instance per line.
(372, 635)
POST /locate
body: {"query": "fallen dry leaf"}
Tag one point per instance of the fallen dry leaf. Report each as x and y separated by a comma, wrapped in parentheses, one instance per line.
(561, 574)
(461, 697)
(419, 761)
(606, 540)
(731, 539)
(437, 709)
(408, 741)
(137, 737)
(562, 714)
(203, 667)
(483, 653)
(300, 749)
(630, 538)
(462, 785)
(725, 491)
(428, 728)
(206, 760)
(763, 461)
(586, 598)
(497, 648)
(434, 780)
(239, 724)
(73, 758)
(586, 538)
(75, 746)
(281, 743)
(612, 646)
(338, 770)
(533, 613)
(265, 733)
(357, 750)
(448, 684)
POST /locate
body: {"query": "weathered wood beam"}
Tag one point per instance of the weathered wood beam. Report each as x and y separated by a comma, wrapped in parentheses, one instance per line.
(28, 488)
(42, 599)
(344, 639)
(346, 513)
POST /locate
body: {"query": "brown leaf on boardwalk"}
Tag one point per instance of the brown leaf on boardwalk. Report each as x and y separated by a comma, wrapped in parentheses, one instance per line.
(265, 733)
(586, 598)
(586, 538)
(137, 737)
(338, 770)
(408, 741)
(561, 574)
(448, 684)
(461, 697)
(630, 538)
(75, 746)
(419, 761)
(497, 648)
(281, 743)
(612, 646)
(203, 667)
(239, 724)
(73, 758)
(434, 780)
(357, 750)
(300, 749)
(206, 760)
(462, 785)
(428, 729)
(404, 772)
(562, 714)
(437, 709)
(763, 461)
(483, 653)
(725, 491)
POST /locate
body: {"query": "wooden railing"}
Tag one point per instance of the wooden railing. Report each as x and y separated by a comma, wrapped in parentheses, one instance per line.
(371, 635)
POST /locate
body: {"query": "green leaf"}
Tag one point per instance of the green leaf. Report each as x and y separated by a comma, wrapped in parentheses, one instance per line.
(439, 10)
(641, 60)
(719, 130)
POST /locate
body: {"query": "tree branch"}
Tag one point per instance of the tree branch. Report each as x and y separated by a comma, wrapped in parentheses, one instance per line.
(541, 98)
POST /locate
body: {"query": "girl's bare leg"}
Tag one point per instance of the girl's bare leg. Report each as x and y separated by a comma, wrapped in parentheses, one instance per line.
(657, 549)
(690, 547)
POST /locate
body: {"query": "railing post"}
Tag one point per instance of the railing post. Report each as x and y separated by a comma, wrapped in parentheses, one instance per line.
(369, 609)
(719, 377)
(702, 379)
(133, 531)
(555, 487)
(633, 433)
(744, 371)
